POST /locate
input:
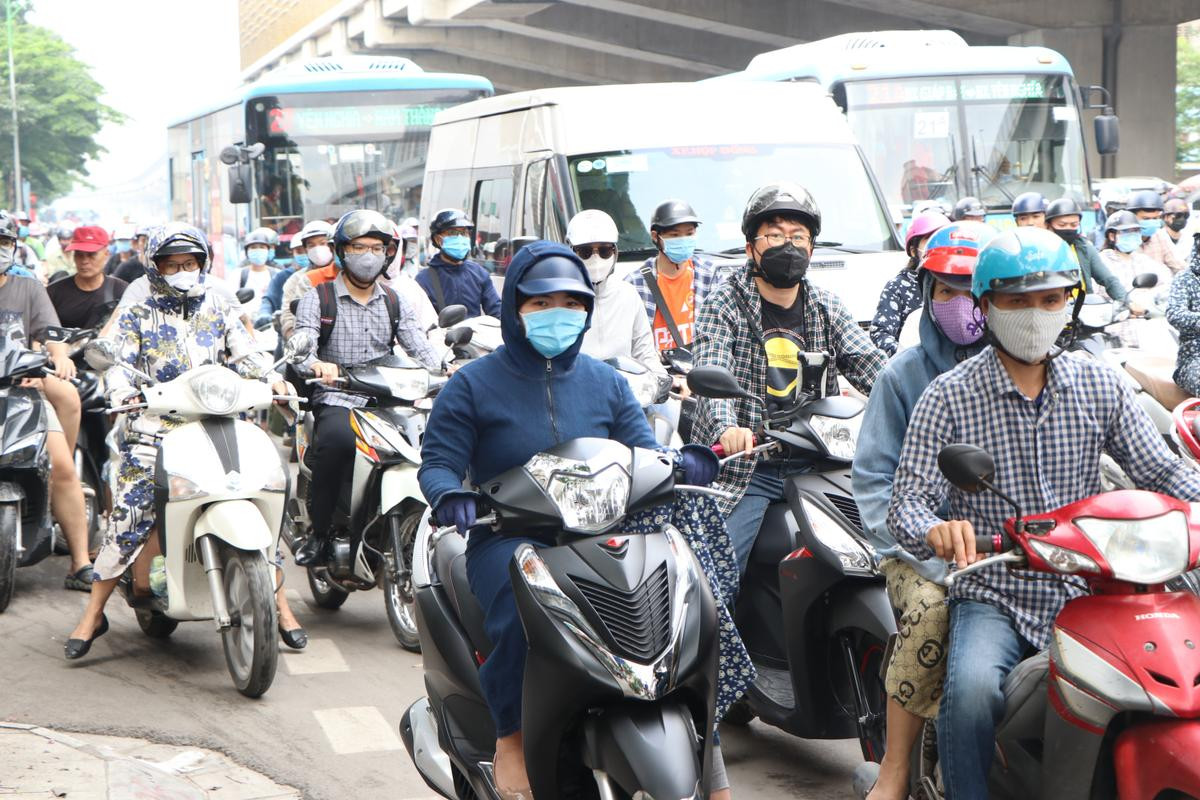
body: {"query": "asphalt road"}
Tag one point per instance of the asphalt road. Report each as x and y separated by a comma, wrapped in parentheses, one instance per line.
(328, 725)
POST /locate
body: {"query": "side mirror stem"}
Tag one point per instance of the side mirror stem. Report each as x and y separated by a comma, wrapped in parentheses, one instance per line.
(1019, 524)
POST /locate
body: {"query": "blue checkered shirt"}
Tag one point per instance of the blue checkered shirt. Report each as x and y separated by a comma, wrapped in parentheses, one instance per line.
(705, 277)
(1047, 455)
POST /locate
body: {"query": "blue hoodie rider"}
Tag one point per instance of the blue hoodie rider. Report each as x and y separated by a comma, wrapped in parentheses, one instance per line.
(551, 394)
(452, 278)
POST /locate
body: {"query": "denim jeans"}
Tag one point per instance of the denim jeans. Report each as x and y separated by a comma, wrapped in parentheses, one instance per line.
(984, 648)
(766, 487)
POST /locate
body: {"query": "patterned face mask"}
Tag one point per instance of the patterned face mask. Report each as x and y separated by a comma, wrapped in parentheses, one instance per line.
(960, 319)
(1028, 333)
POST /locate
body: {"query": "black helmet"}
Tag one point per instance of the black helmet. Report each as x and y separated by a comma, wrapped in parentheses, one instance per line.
(8, 226)
(449, 218)
(555, 273)
(1063, 207)
(1028, 203)
(264, 236)
(354, 224)
(672, 213)
(1145, 200)
(1122, 221)
(968, 207)
(781, 199)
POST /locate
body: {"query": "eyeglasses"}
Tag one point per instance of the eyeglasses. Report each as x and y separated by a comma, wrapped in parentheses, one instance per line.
(777, 239)
(585, 251)
(170, 268)
(360, 249)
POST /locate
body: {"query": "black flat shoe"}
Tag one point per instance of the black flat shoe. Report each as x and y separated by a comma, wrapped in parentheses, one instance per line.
(297, 638)
(311, 553)
(78, 648)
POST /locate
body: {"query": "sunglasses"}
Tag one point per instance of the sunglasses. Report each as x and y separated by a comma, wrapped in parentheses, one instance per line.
(603, 250)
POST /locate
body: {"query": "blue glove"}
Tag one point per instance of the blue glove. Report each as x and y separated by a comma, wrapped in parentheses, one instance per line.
(700, 464)
(262, 320)
(457, 509)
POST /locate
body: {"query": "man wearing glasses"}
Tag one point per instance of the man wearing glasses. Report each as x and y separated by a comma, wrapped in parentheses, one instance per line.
(757, 324)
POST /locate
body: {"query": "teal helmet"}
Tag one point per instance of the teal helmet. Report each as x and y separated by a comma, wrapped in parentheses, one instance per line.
(1025, 260)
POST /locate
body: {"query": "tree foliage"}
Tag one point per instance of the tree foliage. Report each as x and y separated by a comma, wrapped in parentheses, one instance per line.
(1187, 102)
(58, 108)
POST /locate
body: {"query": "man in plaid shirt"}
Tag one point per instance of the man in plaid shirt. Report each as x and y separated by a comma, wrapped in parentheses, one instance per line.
(1046, 419)
(757, 323)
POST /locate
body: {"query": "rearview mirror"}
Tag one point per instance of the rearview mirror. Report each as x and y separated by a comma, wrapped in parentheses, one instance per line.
(967, 467)
(244, 295)
(241, 181)
(298, 348)
(459, 337)
(100, 354)
(626, 364)
(1147, 280)
(715, 383)
(1108, 133)
(450, 316)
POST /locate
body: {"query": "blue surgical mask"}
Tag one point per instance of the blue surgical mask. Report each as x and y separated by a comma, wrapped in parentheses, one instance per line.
(23, 231)
(1129, 242)
(257, 256)
(124, 245)
(457, 247)
(679, 249)
(301, 261)
(1150, 227)
(554, 330)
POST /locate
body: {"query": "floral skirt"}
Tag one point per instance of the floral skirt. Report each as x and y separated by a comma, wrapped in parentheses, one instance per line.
(132, 516)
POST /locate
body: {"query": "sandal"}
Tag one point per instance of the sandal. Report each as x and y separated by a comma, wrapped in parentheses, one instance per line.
(80, 581)
(510, 792)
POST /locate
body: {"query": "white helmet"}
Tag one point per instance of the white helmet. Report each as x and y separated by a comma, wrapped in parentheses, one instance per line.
(317, 227)
(1113, 195)
(591, 227)
(126, 230)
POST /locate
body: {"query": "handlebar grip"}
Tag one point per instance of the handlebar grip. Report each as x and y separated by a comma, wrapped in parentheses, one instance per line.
(997, 543)
(719, 450)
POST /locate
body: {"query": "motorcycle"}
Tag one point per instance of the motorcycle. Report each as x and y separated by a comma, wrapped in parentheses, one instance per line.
(376, 520)
(652, 392)
(26, 532)
(1113, 709)
(813, 609)
(219, 489)
(620, 678)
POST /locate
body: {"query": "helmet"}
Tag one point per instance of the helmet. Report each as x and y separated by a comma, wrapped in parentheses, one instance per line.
(1112, 196)
(1145, 200)
(1063, 207)
(262, 236)
(124, 231)
(1122, 221)
(969, 207)
(8, 226)
(591, 226)
(64, 232)
(449, 218)
(923, 225)
(316, 227)
(1024, 260)
(781, 199)
(179, 237)
(1028, 203)
(143, 230)
(921, 206)
(409, 229)
(555, 273)
(952, 250)
(354, 224)
(669, 214)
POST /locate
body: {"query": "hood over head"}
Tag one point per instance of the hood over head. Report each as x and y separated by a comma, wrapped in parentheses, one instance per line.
(516, 346)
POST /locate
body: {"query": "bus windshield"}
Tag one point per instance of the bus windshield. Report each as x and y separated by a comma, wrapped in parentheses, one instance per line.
(717, 180)
(329, 153)
(946, 137)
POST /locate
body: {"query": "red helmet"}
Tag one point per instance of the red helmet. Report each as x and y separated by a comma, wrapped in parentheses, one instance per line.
(923, 224)
(951, 252)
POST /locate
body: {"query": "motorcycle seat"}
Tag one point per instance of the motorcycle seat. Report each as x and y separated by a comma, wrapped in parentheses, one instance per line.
(450, 561)
(1156, 374)
(1025, 699)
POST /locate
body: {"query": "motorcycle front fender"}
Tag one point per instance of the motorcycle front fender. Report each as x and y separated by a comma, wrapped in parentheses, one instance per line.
(239, 523)
(399, 483)
(647, 749)
(1156, 757)
(862, 604)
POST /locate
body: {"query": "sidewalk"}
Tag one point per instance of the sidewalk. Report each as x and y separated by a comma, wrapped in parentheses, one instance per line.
(37, 763)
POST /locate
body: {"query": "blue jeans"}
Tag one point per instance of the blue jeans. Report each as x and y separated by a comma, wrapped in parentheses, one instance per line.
(984, 648)
(743, 523)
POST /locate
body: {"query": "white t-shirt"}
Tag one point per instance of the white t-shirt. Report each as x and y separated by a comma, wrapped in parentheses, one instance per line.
(257, 280)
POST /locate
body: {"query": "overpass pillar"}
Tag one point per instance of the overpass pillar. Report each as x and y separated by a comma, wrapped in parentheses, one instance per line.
(1143, 96)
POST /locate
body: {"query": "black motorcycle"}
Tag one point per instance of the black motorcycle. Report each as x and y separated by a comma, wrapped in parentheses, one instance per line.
(813, 609)
(620, 678)
(26, 533)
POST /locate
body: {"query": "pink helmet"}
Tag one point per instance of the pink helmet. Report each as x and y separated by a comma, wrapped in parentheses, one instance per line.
(922, 225)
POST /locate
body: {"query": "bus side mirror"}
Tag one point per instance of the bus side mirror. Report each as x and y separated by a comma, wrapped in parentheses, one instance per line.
(241, 180)
(1108, 133)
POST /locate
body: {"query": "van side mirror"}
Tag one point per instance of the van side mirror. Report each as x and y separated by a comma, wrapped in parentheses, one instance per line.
(450, 316)
(1107, 128)
(716, 383)
(1147, 280)
(967, 467)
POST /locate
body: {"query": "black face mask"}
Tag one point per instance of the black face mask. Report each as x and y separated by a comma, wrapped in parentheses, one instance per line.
(1067, 235)
(1177, 222)
(784, 266)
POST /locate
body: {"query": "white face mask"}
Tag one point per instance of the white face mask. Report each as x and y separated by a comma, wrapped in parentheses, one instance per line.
(320, 256)
(1028, 333)
(600, 268)
(183, 281)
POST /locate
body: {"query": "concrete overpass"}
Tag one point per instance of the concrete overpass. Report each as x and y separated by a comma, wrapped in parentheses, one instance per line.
(1126, 45)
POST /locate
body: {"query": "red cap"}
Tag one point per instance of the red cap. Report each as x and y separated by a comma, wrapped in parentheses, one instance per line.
(88, 239)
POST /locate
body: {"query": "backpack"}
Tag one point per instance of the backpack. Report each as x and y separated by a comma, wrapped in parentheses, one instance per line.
(327, 296)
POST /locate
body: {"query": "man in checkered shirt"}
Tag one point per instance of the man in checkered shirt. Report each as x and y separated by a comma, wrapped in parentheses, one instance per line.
(1046, 419)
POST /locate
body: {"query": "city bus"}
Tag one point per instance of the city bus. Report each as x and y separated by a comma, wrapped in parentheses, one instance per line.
(335, 134)
(940, 120)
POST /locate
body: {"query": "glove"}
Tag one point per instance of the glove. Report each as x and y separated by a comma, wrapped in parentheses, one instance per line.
(262, 321)
(700, 464)
(458, 510)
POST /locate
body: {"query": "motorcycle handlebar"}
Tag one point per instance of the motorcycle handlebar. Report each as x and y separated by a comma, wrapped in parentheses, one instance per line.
(998, 543)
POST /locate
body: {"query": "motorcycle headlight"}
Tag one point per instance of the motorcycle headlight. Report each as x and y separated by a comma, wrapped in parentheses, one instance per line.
(382, 436)
(537, 576)
(406, 384)
(183, 488)
(840, 436)
(216, 391)
(588, 499)
(853, 555)
(646, 387)
(21, 451)
(1145, 551)
(1062, 559)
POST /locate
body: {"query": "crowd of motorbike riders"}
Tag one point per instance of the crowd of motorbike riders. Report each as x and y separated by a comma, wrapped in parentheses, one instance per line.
(967, 346)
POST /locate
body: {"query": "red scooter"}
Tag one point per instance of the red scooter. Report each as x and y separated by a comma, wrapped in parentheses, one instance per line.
(1113, 709)
(1186, 430)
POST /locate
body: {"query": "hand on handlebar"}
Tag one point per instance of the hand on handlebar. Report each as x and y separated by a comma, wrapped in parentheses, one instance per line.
(327, 373)
(64, 367)
(954, 541)
(737, 440)
(458, 509)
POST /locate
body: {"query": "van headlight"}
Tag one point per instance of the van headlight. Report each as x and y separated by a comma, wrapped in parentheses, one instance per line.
(216, 390)
(1144, 551)
(589, 500)
(853, 555)
(840, 436)
(406, 384)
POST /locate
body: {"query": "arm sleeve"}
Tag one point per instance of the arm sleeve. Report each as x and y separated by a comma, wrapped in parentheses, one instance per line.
(885, 326)
(1179, 306)
(1135, 443)
(293, 289)
(41, 311)
(642, 347)
(411, 336)
(630, 426)
(878, 454)
(920, 489)
(1103, 275)
(244, 356)
(449, 443)
(488, 299)
(308, 321)
(857, 356)
(714, 345)
(118, 383)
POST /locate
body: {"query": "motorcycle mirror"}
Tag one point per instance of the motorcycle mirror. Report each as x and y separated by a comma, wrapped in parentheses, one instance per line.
(458, 337)
(297, 348)
(244, 295)
(100, 354)
(229, 155)
(626, 364)
(967, 467)
(450, 316)
(1147, 280)
(716, 383)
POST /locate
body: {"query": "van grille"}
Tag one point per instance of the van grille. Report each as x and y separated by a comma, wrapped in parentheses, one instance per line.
(638, 621)
(847, 507)
(323, 66)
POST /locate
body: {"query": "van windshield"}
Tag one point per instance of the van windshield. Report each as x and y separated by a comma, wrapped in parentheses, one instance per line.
(717, 180)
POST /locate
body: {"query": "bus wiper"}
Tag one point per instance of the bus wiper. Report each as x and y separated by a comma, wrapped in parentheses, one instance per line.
(981, 172)
(733, 251)
(841, 248)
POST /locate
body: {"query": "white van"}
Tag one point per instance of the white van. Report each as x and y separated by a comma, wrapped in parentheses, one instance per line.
(523, 164)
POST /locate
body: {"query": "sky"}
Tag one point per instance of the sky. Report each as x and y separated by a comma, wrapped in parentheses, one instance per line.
(158, 60)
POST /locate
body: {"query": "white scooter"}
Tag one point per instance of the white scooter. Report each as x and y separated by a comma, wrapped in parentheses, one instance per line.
(219, 491)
